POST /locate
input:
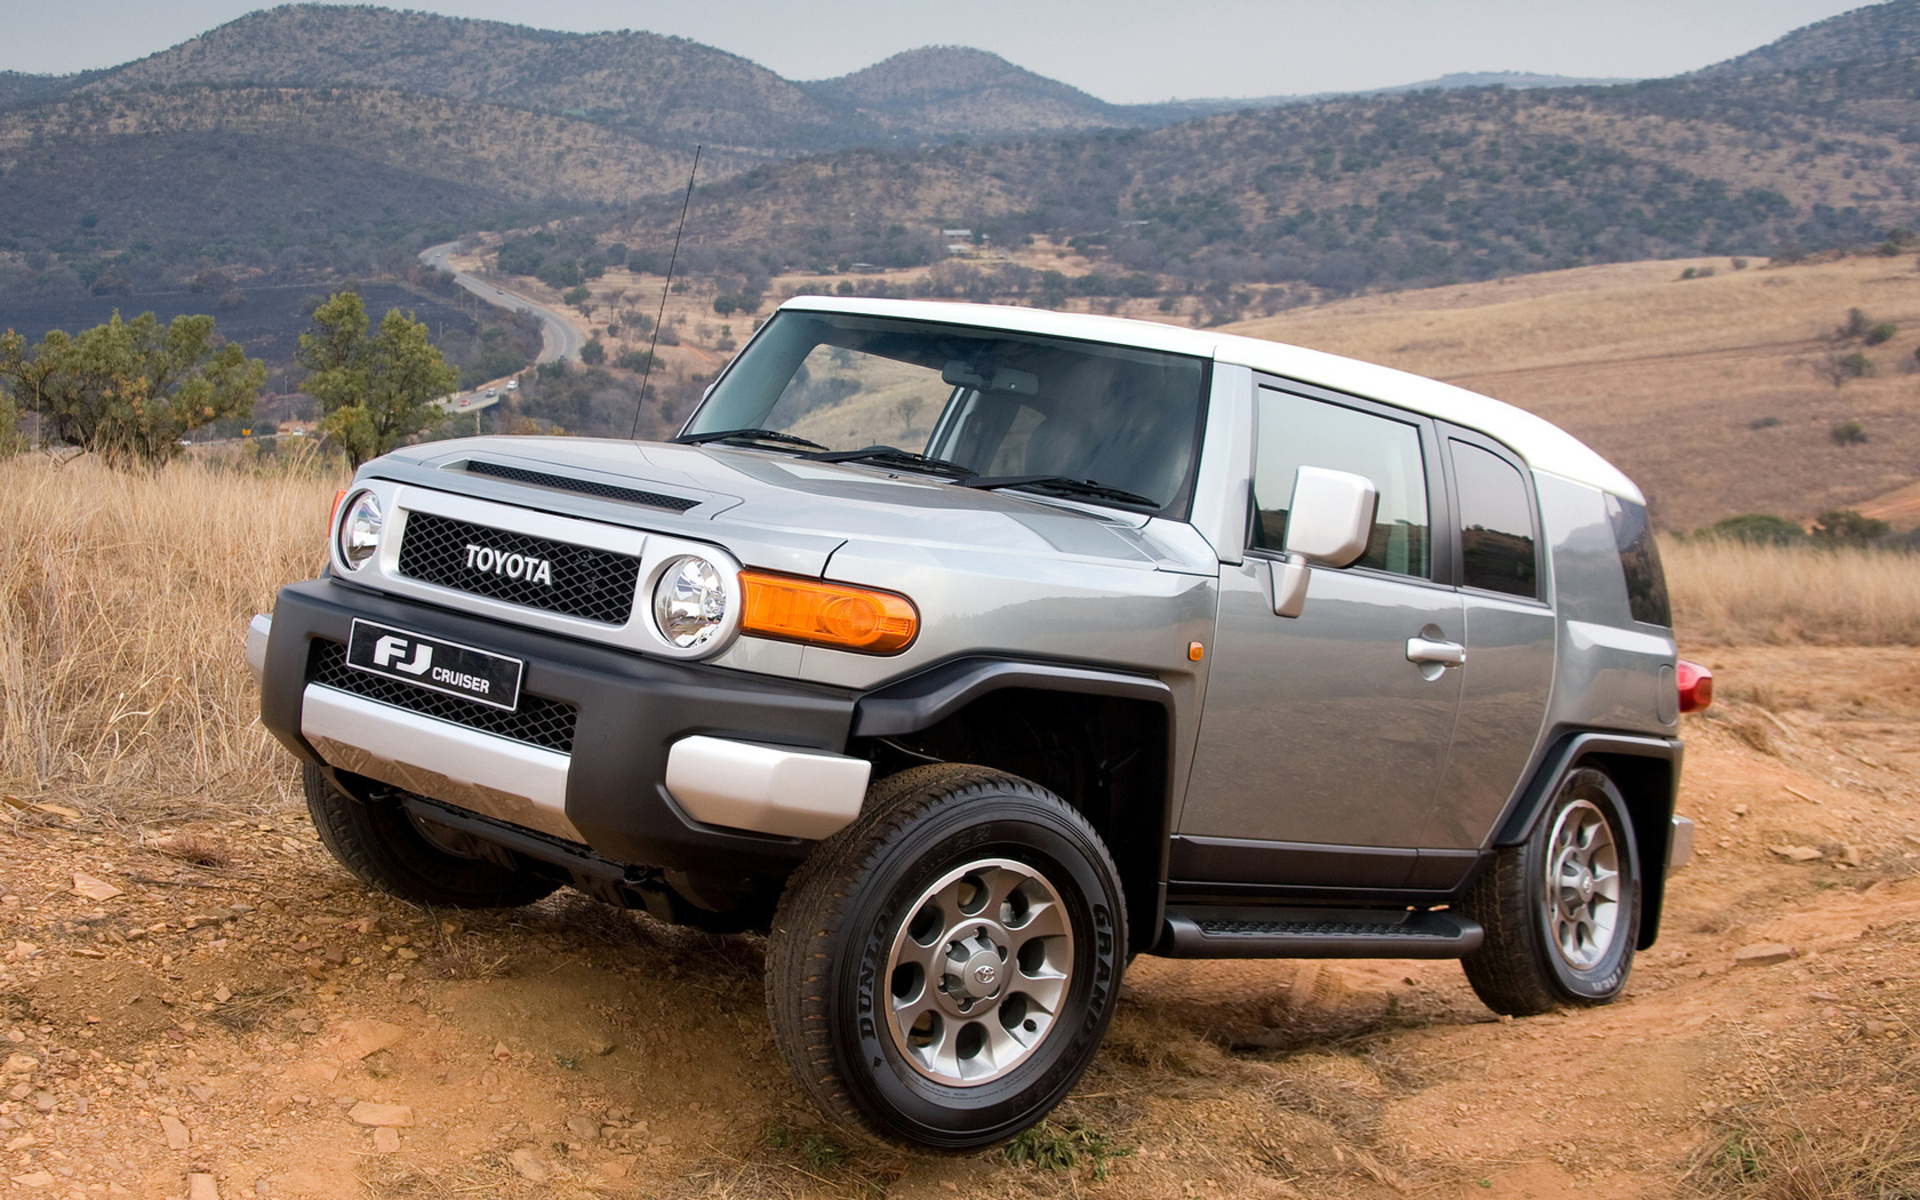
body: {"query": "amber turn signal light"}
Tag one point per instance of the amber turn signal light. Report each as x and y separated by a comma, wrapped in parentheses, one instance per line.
(827, 614)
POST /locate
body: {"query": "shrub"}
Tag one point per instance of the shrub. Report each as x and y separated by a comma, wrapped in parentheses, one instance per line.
(1855, 326)
(1882, 331)
(1838, 369)
(1756, 529)
(1848, 433)
(594, 352)
(1846, 527)
(1763, 423)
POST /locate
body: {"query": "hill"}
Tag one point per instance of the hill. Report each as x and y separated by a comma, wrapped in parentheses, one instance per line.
(1385, 191)
(660, 87)
(940, 92)
(1712, 393)
(152, 184)
(1875, 33)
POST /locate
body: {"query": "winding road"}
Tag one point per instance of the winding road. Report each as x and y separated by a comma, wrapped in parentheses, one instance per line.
(559, 338)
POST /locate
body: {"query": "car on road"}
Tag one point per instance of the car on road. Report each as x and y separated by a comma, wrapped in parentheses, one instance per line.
(493, 393)
(968, 652)
(513, 385)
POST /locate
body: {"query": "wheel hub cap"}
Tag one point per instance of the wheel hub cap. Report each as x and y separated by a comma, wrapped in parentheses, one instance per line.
(1583, 885)
(978, 972)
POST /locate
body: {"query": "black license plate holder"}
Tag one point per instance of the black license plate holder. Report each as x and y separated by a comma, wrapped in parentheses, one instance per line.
(435, 664)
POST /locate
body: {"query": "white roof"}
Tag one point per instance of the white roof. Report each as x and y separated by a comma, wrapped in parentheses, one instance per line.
(1544, 445)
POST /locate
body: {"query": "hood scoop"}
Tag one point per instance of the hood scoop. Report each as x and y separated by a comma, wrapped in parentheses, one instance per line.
(585, 487)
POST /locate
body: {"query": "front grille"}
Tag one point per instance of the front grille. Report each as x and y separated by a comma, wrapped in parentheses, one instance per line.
(538, 721)
(595, 585)
(585, 487)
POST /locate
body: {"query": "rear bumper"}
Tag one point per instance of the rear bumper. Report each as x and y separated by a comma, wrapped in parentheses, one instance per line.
(743, 748)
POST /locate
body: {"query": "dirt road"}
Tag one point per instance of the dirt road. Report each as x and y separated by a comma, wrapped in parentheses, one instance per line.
(191, 987)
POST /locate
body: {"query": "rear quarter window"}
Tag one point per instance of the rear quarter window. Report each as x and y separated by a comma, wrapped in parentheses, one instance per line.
(1640, 560)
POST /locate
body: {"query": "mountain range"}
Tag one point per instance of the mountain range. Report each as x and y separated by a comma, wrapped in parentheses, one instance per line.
(311, 139)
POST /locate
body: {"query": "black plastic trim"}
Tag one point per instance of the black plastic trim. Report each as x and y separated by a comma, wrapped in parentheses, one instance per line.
(923, 700)
(1280, 932)
(1568, 750)
(631, 710)
(1517, 824)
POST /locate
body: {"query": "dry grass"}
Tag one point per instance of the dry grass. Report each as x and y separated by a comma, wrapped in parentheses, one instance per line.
(1669, 379)
(123, 607)
(1729, 594)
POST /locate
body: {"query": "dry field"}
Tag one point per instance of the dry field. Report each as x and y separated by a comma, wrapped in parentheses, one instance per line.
(189, 986)
(1673, 379)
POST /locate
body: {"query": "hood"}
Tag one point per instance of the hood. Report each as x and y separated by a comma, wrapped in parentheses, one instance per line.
(744, 498)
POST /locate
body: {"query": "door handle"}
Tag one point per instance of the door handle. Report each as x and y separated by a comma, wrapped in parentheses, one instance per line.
(1425, 650)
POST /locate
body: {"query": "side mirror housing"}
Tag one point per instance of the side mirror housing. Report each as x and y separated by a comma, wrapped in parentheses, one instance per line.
(1329, 523)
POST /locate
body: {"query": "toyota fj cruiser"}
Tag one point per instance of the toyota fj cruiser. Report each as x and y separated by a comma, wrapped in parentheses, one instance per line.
(970, 651)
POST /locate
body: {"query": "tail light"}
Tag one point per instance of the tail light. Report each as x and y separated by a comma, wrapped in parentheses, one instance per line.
(1696, 686)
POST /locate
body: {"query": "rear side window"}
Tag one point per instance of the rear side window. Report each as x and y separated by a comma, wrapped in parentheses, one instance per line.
(1497, 550)
(1297, 432)
(1640, 559)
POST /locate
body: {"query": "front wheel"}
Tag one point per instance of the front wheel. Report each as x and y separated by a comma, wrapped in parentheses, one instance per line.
(1561, 910)
(942, 971)
(387, 849)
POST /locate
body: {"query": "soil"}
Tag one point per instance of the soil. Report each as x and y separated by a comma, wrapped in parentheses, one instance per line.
(240, 1008)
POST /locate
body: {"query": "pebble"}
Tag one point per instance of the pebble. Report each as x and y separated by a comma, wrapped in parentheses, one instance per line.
(584, 1128)
(529, 1166)
(201, 1186)
(176, 1132)
(1762, 954)
(369, 1112)
(35, 1179)
(386, 1141)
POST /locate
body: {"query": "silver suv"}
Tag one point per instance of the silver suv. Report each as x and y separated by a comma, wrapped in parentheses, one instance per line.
(970, 651)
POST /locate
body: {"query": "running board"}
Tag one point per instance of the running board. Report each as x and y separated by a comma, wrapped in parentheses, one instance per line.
(1315, 933)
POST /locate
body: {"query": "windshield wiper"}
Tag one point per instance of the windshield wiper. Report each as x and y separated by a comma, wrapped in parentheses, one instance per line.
(895, 456)
(747, 435)
(1065, 485)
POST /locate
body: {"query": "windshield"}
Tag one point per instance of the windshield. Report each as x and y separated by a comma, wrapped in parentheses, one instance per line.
(995, 404)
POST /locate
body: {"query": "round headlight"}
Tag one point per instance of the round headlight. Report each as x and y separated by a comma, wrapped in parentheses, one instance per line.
(360, 530)
(690, 602)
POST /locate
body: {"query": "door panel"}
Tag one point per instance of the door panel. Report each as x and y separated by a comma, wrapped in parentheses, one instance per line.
(1317, 729)
(1503, 699)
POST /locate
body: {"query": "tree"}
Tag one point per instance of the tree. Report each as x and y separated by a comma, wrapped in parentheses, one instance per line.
(131, 390)
(374, 391)
(594, 352)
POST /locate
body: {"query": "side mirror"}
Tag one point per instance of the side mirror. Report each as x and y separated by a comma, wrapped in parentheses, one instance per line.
(1329, 523)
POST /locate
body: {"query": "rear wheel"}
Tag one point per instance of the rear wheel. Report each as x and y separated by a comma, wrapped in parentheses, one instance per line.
(387, 849)
(942, 971)
(1561, 910)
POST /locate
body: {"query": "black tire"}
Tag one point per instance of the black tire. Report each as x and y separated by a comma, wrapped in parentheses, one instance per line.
(1539, 955)
(384, 849)
(862, 900)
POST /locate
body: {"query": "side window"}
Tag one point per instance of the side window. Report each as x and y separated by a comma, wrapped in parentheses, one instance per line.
(1297, 432)
(1640, 560)
(1496, 524)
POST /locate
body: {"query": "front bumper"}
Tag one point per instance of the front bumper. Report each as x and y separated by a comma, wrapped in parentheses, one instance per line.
(655, 745)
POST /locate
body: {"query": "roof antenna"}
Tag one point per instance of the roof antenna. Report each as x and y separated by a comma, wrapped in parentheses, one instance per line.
(634, 433)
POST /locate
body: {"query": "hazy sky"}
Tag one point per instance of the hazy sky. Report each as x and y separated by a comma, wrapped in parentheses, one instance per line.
(1120, 50)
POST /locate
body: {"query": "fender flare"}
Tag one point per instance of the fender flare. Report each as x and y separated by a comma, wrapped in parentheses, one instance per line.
(923, 700)
(1622, 756)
